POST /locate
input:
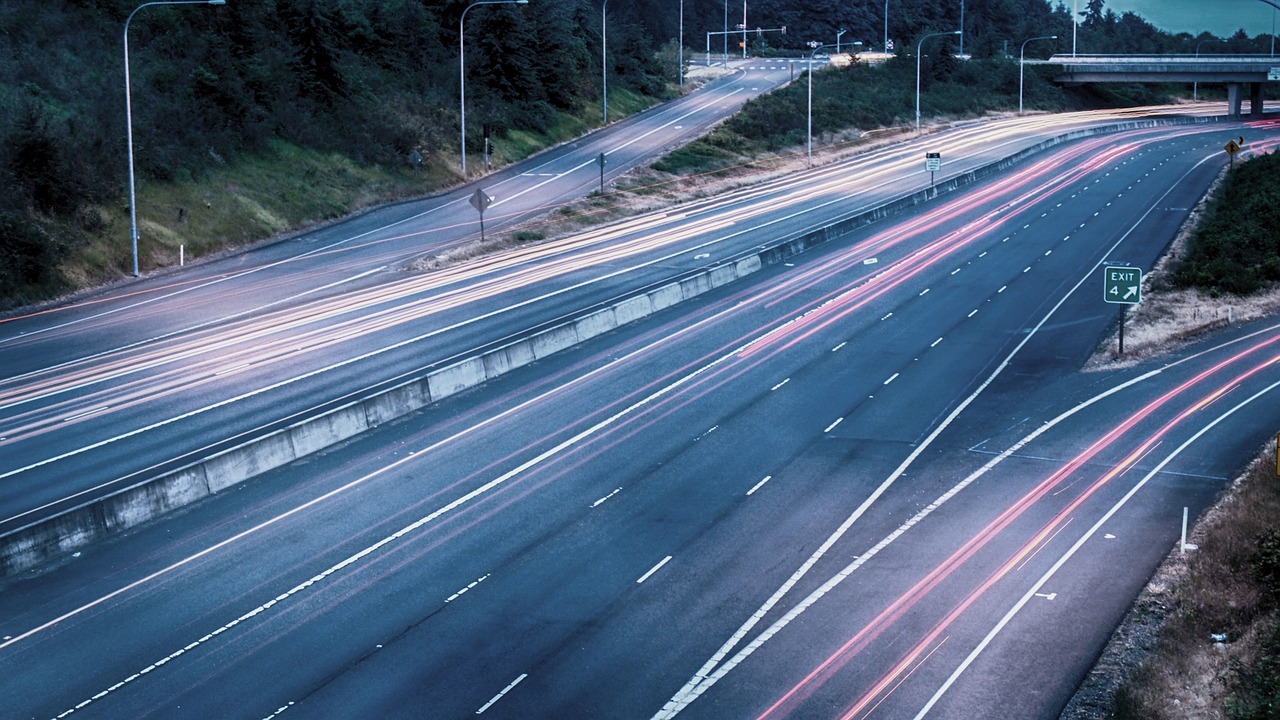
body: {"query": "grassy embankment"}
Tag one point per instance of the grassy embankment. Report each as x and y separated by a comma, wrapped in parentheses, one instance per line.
(287, 188)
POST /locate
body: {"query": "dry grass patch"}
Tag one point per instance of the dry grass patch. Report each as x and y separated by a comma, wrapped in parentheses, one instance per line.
(1215, 611)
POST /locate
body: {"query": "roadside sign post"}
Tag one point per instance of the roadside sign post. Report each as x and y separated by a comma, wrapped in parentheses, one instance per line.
(932, 163)
(602, 160)
(481, 202)
(1232, 147)
(1122, 286)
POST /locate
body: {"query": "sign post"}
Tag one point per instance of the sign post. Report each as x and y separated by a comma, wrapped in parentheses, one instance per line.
(1232, 147)
(932, 163)
(602, 160)
(1122, 286)
(481, 202)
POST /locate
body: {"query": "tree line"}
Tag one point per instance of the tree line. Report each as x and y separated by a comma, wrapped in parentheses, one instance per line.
(375, 81)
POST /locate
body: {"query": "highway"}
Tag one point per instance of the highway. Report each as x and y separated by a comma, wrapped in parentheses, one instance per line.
(869, 481)
(101, 395)
(171, 319)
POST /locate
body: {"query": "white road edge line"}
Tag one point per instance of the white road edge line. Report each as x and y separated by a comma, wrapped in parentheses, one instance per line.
(1035, 589)
(712, 670)
(459, 502)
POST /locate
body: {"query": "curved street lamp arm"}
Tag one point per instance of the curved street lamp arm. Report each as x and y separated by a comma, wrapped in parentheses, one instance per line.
(128, 118)
(919, 50)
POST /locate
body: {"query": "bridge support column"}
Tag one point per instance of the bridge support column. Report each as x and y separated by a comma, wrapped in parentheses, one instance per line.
(1256, 99)
(1234, 98)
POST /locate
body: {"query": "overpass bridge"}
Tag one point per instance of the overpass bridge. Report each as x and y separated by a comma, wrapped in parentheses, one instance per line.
(1236, 71)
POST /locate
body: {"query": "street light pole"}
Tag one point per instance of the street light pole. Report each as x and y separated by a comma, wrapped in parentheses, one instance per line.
(1195, 86)
(128, 114)
(680, 57)
(726, 33)
(1022, 65)
(1075, 24)
(744, 29)
(919, 49)
(809, 133)
(885, 47)
(839, 32)
(604, 58)
(462, 71)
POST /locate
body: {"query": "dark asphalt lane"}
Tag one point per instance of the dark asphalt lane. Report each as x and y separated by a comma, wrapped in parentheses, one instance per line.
(508, 549)
(117, 414)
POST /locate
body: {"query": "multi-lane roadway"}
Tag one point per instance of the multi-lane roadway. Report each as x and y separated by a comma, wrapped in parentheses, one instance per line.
(869, 481)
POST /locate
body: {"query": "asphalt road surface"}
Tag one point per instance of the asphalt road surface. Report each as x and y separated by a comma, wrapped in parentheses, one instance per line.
(105, 393)
(870, 482)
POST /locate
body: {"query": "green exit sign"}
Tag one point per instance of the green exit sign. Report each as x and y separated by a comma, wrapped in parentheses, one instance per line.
(1122, 285)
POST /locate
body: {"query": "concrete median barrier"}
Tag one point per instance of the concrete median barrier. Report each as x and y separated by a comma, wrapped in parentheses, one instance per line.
(37, 543)
(456, 378)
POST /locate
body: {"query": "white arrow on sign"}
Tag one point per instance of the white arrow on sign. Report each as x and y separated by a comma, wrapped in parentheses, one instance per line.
(1133, 290)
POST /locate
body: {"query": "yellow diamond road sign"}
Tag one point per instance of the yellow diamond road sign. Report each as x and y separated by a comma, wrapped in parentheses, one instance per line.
(1122, 285)
(1232, 147)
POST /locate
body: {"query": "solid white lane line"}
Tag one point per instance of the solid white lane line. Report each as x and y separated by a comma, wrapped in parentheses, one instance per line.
(717, 667)
(759, 485)
(464, 500)
(654, 569)
(502, 694)
(1088, 535)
